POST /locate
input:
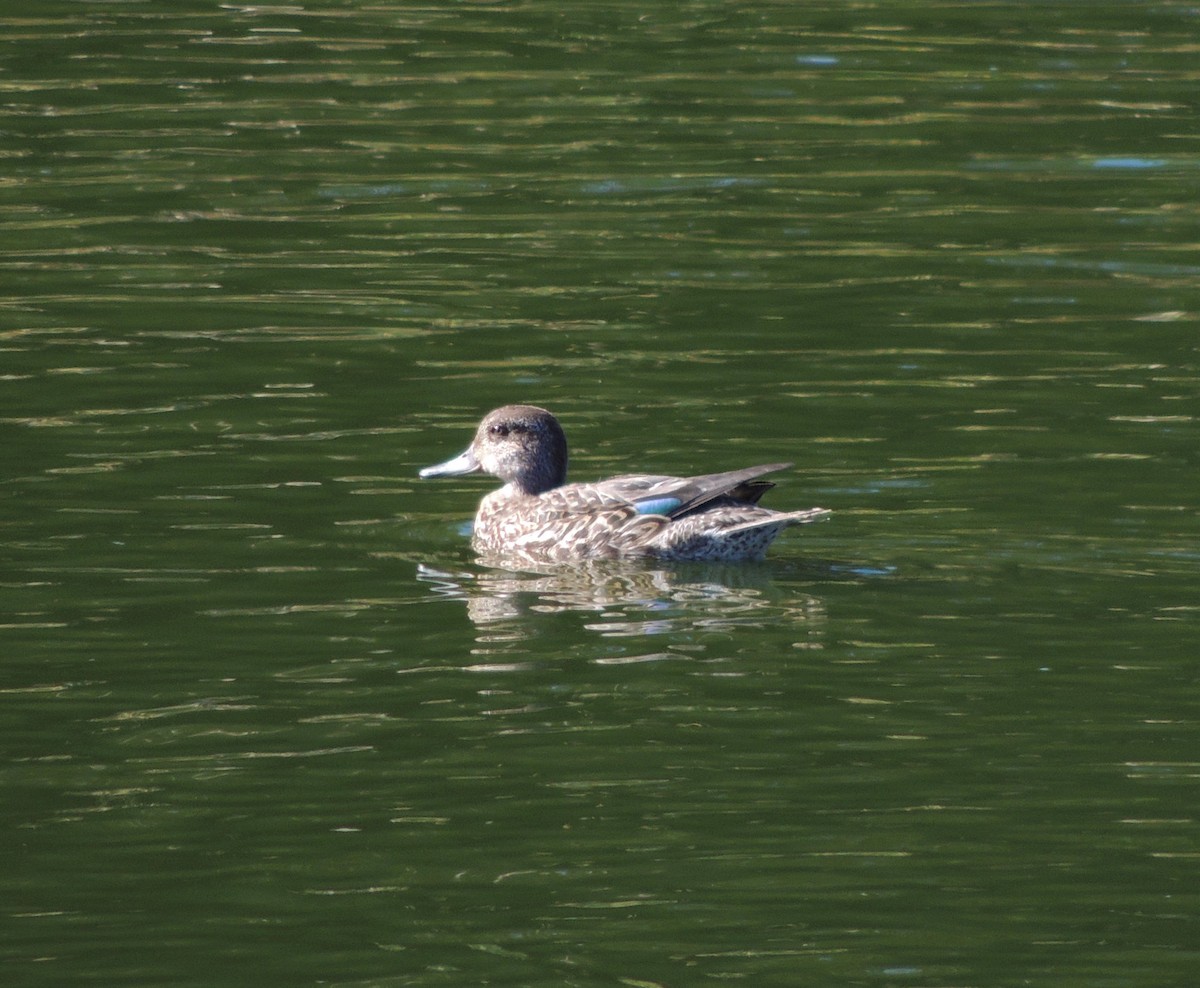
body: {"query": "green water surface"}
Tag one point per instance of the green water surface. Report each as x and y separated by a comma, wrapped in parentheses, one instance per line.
(265, 720)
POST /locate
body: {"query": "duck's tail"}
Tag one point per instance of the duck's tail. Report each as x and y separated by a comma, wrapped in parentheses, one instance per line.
(781, 518)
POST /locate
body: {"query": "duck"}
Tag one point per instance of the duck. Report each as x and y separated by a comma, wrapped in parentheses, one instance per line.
(537, 516)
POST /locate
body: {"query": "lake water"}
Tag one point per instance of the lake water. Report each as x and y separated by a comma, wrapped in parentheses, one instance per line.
(265, 718)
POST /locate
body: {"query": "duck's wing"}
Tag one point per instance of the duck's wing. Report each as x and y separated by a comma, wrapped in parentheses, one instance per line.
(675, 497)
(575, 521)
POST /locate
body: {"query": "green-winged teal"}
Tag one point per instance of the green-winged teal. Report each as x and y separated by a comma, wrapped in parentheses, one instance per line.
(539, 516)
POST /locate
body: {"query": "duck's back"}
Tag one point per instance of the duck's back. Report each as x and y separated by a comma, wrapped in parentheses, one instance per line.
(574, 521)
(634, 515)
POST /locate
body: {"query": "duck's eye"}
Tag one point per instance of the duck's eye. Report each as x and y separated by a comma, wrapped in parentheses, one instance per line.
(502, 429)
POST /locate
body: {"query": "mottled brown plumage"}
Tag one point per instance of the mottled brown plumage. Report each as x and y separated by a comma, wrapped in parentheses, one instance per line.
(539, 516)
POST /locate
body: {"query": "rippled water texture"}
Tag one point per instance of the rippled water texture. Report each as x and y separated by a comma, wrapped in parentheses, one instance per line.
(267, 720)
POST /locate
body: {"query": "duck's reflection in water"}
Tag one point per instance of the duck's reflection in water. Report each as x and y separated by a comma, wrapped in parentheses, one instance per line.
(628, 598)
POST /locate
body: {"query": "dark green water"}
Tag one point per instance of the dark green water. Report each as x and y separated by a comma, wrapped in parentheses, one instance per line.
(264, 718)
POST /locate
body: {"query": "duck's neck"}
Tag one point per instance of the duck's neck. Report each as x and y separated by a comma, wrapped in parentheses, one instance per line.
(539, 478)
(544, 469)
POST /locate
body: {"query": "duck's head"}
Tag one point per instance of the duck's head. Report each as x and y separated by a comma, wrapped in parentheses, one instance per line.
(523, 445)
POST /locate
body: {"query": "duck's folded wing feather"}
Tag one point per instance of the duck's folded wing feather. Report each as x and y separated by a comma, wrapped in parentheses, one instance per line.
(777, 518)
(678, 496)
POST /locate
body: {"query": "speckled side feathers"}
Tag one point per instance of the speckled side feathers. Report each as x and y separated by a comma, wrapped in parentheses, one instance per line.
(536, 515)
